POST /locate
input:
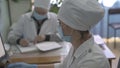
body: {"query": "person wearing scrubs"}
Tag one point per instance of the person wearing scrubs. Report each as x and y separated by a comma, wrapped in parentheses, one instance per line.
(82, 16)
(36, 26)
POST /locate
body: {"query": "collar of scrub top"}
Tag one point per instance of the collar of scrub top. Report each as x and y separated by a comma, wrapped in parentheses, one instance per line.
(39, 24)
(84, 48)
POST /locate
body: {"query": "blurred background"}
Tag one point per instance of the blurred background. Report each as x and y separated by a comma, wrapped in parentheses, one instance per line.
(11, 10)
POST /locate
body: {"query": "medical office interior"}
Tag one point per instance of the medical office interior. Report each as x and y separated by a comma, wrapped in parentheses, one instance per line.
(11, 10)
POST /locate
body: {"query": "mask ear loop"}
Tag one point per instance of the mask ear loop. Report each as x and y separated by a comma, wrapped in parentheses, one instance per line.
(61, 28)
(72, 31)
(82, 33)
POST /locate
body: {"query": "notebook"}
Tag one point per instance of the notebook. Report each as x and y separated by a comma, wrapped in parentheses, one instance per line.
(44, 46)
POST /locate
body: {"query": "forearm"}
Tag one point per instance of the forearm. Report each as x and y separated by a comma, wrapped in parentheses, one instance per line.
(13, 35)
(12, 39)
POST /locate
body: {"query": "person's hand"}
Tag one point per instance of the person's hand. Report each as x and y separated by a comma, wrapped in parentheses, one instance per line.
(24, 42)
(22, 65)
(39, 38)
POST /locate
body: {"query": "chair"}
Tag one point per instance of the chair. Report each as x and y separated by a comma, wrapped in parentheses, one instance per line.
(114, 25)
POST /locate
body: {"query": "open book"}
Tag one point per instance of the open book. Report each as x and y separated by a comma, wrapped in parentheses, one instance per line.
(44, 46)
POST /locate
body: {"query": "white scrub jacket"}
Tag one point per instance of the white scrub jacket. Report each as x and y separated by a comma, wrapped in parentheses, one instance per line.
(88, 55)
(26, 27)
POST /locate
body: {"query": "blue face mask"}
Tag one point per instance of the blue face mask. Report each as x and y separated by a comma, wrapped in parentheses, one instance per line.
(38, 16)
(65, 38)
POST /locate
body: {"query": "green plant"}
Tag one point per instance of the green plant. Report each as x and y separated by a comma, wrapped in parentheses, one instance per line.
(54, 8)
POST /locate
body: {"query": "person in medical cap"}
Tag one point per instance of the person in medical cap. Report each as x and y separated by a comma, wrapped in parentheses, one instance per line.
(77, 17)
(82, 16)
(36, 26)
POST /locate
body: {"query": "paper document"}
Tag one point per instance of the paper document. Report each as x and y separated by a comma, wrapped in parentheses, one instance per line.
(46, 46)
(98, 39)
(30, 48)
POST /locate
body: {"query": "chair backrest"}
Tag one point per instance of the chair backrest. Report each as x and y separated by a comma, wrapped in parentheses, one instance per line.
(114, 11)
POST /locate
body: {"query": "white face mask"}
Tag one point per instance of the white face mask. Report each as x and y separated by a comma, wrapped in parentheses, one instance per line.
(65, 38)
(38, 16)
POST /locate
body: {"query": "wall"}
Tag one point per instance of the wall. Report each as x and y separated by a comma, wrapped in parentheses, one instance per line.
(18, 8)
(0, 15)
(4, 19)
(101, 27)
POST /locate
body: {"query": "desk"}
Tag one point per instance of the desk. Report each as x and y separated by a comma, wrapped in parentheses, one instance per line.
(108, 53)
(2, 65)
(38, 57)
(55, 55)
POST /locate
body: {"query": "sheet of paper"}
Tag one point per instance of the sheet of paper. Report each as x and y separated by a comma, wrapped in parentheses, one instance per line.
(46, 46)
(2, 51)
(30, 48)
(98, 39)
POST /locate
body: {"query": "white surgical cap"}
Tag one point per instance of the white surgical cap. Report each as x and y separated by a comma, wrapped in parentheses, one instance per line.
(80, 14)
(45, 4)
